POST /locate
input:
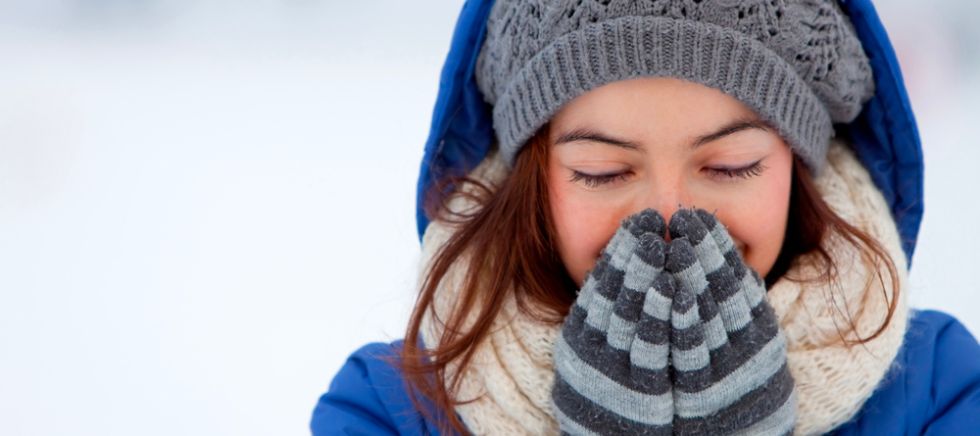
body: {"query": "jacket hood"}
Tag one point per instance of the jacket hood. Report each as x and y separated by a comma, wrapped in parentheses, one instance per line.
(884, 135)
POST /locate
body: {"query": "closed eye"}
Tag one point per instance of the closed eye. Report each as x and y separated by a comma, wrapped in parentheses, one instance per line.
(751, 170)
(596, 180)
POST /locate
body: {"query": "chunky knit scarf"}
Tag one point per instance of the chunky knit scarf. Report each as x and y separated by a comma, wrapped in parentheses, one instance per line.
(511, 372)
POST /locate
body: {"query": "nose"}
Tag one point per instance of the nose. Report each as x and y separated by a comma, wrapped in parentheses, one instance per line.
(666, 196)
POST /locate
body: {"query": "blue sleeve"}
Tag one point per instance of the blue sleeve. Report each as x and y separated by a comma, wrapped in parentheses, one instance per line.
(955, 391)
(934, 387)
(368, 397)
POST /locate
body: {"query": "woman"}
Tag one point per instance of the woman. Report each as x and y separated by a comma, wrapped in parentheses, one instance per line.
(672, 229)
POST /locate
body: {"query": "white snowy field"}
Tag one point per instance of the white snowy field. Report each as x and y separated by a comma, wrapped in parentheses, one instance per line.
(205, 206)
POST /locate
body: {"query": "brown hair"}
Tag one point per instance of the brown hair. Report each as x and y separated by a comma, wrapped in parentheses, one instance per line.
(509, 244)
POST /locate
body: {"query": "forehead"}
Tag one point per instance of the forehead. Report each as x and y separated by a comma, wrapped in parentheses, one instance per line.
(650, 106)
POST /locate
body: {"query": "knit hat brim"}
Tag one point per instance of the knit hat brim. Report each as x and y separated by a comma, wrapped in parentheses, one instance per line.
(634, 46)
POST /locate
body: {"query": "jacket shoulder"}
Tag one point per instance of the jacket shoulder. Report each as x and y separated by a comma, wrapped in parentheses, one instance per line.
(944, 345)
(933, 386)
(368, 396)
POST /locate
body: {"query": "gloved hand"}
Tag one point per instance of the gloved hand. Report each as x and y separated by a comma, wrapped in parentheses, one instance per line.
(728, 356)
(611, 356)
(672, 340)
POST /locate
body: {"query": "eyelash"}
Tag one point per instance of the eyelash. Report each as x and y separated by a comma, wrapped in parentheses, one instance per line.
(754, 169)
(593, 181)
(751, 170)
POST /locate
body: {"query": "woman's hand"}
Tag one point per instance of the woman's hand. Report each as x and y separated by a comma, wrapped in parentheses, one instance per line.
(728, 356)
(672, 339)
(611, 357)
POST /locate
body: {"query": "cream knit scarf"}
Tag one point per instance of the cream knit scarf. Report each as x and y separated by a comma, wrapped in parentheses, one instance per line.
(511, 372)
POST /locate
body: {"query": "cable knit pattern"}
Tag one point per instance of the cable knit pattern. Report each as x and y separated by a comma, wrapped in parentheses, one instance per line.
(797, 63)
(511, 374)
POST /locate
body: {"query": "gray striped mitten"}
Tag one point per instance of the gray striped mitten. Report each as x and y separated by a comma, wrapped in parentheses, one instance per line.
(611, 356)
(728, 355)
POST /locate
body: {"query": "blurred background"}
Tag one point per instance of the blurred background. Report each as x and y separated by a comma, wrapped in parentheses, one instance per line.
(205, 206)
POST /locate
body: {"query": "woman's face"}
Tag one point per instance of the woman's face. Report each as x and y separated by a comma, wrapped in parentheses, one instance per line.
(665, 143)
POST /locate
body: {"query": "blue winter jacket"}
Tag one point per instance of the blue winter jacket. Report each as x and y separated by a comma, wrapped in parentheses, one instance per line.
(934, 389)
(935, 386)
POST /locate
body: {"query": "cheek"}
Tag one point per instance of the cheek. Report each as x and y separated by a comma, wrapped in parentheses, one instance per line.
(760, 231)
(583, 226)
(760, 236)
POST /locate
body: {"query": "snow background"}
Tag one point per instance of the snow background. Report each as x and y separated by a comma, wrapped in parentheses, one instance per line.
(206, 206)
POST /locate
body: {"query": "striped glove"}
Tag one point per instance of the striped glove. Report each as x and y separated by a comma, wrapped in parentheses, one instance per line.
(728, 356)
(611, 356)
(672, 339)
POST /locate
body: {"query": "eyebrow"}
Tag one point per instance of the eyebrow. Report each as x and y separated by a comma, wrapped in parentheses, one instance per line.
(587, 134)
(738, 125)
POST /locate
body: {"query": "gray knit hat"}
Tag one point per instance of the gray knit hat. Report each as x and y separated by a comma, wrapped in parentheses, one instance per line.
(797, 63)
